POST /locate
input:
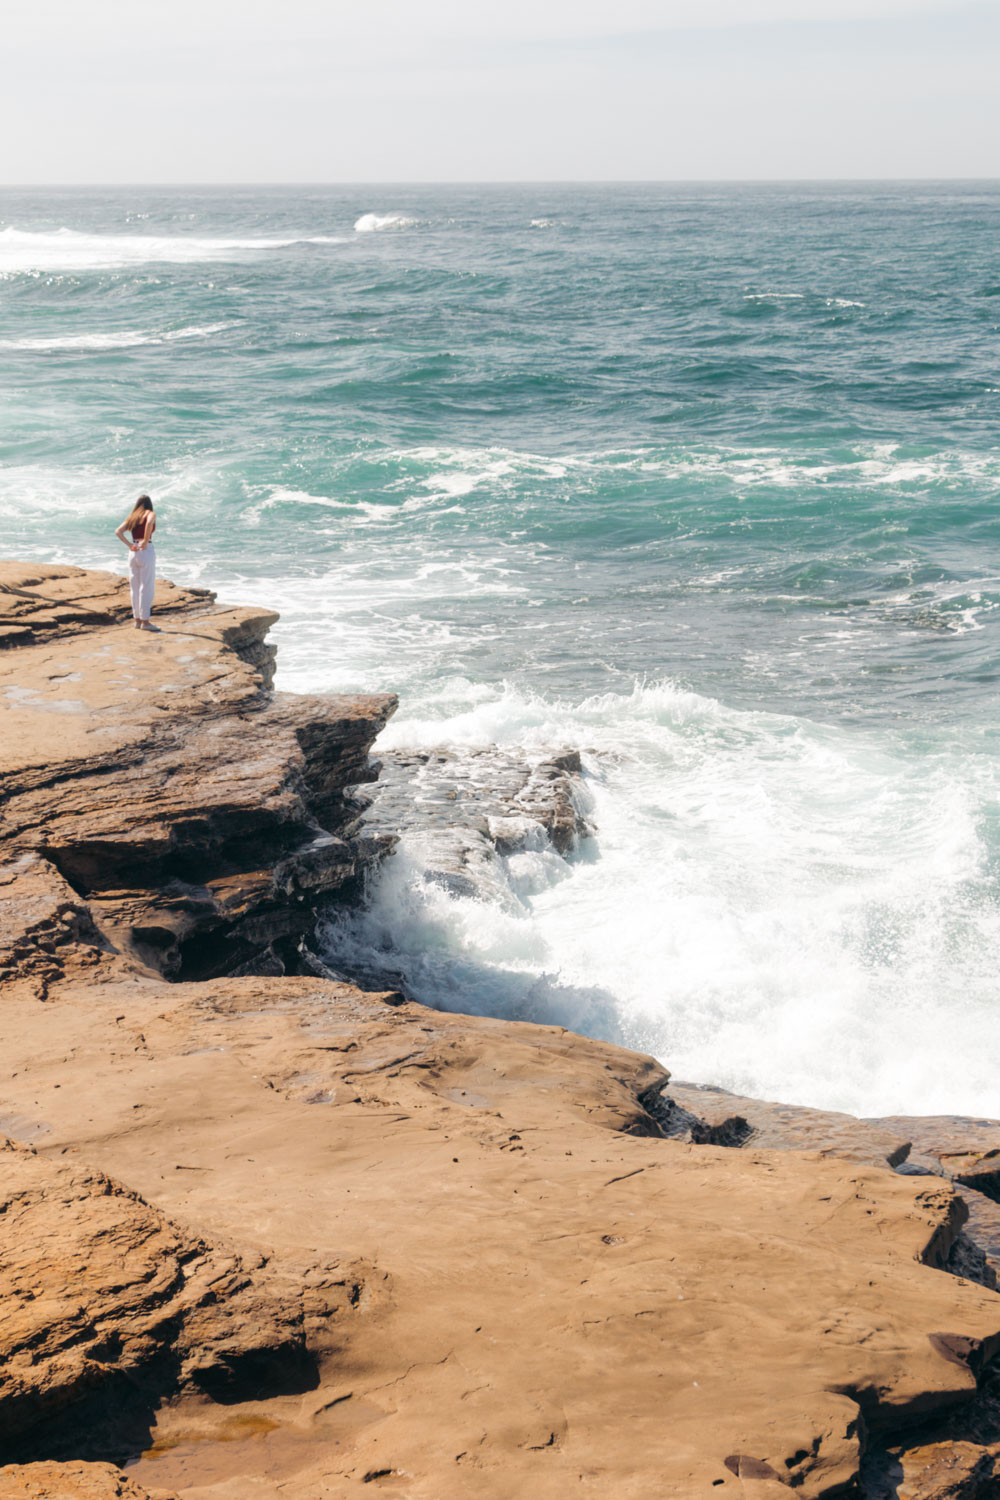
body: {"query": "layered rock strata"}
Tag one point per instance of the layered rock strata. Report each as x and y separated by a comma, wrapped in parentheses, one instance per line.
(102, 1294)
(441, 1254)
(273, 1236)
(157, 798)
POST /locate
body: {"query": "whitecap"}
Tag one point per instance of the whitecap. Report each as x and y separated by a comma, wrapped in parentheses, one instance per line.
(69, 250)
(126, 339)
(369, 223)
(462, 469)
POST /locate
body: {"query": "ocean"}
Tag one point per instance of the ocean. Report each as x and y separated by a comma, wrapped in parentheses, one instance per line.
(702, 479)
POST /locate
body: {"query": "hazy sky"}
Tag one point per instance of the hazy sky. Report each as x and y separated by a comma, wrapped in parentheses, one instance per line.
(449, 90)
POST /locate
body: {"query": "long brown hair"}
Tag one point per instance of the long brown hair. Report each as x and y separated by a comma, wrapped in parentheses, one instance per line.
(141, 508)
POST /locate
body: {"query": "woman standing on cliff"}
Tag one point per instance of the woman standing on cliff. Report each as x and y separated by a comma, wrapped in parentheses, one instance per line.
(141, 523)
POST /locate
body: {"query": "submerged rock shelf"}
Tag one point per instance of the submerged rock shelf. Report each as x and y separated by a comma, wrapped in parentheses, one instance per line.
(267, 1234)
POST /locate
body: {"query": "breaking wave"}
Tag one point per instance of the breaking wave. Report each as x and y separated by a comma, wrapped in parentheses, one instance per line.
(369, 223)
(126, 339)
(69, 250)
(782, 908)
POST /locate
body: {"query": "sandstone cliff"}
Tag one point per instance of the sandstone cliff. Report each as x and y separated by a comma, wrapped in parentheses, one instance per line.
(198, 815)
(267, 1235)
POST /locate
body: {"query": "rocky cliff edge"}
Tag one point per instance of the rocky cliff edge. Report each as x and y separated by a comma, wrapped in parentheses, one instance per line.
(264, 1234)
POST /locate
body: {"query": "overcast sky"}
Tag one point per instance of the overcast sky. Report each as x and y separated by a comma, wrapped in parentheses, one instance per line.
(479, 90)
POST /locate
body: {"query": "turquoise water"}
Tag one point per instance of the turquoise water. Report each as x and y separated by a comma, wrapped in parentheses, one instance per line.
(701, 478)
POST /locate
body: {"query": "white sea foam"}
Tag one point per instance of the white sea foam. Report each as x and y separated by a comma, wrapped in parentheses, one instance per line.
(461, 469)
(357, 510)
(458, 471)
(84, 499)
(872, 463)
(70, 250)
(952, 605)
(370, 223)
(126, 339)
(777, 907)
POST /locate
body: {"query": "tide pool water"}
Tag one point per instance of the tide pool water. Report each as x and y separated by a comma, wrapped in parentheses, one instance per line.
(701, 479)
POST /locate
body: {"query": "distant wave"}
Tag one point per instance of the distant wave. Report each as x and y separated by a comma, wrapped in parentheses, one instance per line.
(368, 223)
(68, 250)
(773, 296)
(126, 339)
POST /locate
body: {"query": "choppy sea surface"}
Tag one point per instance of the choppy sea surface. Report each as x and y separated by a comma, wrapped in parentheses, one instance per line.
(702, 479)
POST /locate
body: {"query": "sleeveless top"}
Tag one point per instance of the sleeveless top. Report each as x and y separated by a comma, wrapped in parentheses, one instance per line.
(139, 529)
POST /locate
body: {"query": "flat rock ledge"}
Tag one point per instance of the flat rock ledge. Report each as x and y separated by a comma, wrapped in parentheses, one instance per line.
(962, 1150)
(275, 1236)
(267, 1235)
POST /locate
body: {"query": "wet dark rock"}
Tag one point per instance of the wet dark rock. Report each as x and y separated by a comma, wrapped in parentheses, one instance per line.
(459, 812)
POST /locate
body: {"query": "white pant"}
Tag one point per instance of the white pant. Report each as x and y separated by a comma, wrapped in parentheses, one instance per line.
(142, 577)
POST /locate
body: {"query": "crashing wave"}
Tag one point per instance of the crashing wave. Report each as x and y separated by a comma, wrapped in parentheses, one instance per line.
(369, 223)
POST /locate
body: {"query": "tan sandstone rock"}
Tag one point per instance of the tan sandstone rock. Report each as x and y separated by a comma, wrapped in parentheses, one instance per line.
(710, 1115)
(72, 1481)
(98, 1286)
(44, 924)
(950, 1471)
(199, 817)
(281, 1238)
(536, 1272)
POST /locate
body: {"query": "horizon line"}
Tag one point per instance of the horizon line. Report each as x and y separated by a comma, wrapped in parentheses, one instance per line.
(489, 182)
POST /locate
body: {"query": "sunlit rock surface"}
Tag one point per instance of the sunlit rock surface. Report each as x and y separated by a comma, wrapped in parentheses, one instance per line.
(269, 1235)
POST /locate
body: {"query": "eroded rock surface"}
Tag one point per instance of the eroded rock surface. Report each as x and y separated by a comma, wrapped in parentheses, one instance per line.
(526, 1268)
(951, 1147)
(197, 818)
(703, 1113)
(102, 1297)
(43, 922)
(279, 1237)
(950, 1471)
(73, 1481)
